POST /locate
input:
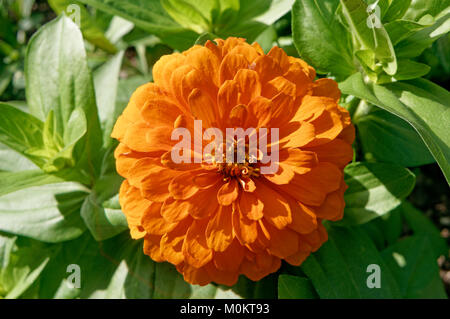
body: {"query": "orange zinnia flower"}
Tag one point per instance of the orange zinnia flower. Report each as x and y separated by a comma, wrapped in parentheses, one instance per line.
(216, 221)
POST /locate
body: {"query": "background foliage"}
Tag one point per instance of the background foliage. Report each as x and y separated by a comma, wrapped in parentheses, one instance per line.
(63, 86)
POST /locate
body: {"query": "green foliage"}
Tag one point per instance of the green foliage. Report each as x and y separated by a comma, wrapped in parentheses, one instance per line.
(374, 190)
(59, 187)
(419, 102)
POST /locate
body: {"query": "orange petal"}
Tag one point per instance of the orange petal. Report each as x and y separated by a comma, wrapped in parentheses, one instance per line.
(246, 230)
(160, 112)
(203, 108)
(327, 87)
(201, 204)
(311, 188)
(195, 249)
(227, 97)
(230, 259)
(181, 187)
(153, 180)
(172, 243)
(249, 85)
(276, 209)
(297, 75)
(153, 222)
(142, 138)
(251, 206)
(152, 248)
(195, 276)
(282, 243)
(219, 232)
(228, 193)
(304, 220)
(230, 65)
(133, 205)
(336, 151)
(206, 62)
(263, 265)
(174, 210)
(165, 66)
(228, 278)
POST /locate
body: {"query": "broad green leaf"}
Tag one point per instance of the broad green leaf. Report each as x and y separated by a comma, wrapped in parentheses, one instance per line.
(410, 70)
(420, 8)
(106, 81)
(423, 226)
(277, 9)
(387, 138)
(419, 102)
(370, 34)
(59, 80)
(386, 230)
(396, 10)
(415, 268)
(293, 287)
(188, 15)
(21, 131)
(14, 181)
(150, 16)
(402, 29)
(118, 28)
(22, 262)
(50, 213)
(415, 44)
(339, 268)
(320, 38)
(102, 224)
(91, 31)
(374, 189)
(12, 161)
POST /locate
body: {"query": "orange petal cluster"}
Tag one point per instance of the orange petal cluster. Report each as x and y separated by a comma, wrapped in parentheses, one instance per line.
(214, 228)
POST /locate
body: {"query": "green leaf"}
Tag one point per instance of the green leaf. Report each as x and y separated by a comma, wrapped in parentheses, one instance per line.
(387, 138)
(410, 70)
(150, 16)
(402, 29)
(415, 268)
(415, 44)
(106, 81)
(339, 268)
(374, 189)
(14, 181)
(59, 80)
(419, 102)
(12, 161)
(22, 260)
(293, 287)
(373, 37)
(91, 31)
(386, 230)
(421, 8)
(277, 9)
(396, 10)
(50, 213)
(21, 131)
(423, 226)
(101, 224)
(188, 15)
(320, 38)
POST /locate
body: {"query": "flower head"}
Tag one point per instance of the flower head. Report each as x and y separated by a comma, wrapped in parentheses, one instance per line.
(216, 219)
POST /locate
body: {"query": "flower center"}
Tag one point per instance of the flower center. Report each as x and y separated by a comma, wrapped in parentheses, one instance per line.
(245, 168)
